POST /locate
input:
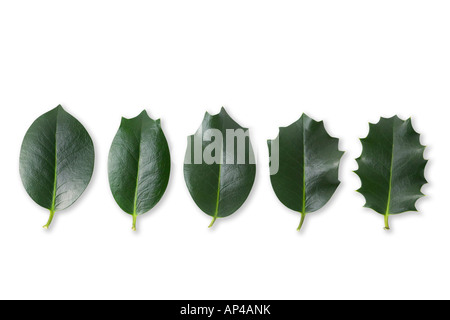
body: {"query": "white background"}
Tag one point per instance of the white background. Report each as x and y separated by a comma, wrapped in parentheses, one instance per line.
(267, 62)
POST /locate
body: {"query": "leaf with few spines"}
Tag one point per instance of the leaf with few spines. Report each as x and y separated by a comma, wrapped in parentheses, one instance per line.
(304, 166)
(139, 165)
(219, 168)
(56, 160)
(391, 167)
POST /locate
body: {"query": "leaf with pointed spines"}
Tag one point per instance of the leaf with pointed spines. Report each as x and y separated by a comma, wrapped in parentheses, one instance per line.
(56, 160)
(308, 164)
(139, 165)
(219, 187)
(391, 167)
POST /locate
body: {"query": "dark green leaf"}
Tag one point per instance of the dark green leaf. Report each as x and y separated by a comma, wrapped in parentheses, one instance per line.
(304, 166)
(391, 167)
(219, 172)
(56, 160)
(139, 165)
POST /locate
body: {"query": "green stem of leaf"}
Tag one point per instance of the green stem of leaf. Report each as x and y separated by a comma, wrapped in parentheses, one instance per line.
(301, 221)
(134, 222)
(218, 197)
(50, 219)
(212, 222)
(386, 222)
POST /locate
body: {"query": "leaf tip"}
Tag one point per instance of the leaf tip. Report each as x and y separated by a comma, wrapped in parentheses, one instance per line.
(144, 113)
(59, 108)
(304, 115)
(222, 112)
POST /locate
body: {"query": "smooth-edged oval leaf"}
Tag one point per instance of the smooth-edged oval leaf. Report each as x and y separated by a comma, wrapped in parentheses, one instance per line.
(139, 165)
(391, 167)
(56, 160)
(219, 167)
(304, 162)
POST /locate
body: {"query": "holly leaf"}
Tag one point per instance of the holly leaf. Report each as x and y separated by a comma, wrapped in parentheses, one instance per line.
(304, 166)
(219, 167)
(391, 167)
(139, 165)
(56, 161)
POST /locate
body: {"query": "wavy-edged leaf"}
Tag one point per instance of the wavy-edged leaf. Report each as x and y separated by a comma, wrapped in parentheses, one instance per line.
(391, 167)
(219, 168)
(56, 160)
(304, 166)
(139, 165)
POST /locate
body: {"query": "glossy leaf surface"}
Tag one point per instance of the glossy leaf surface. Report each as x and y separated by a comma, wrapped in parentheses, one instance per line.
(56, 160)
(308, 159)
(219, 168)
(391, 167)
(139, 165)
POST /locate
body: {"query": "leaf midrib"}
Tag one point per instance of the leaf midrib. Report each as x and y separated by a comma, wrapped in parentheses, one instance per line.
(55, 179)
(391, 169)
(216, 212)
(218, 192)
(137, 173)
(304, 171)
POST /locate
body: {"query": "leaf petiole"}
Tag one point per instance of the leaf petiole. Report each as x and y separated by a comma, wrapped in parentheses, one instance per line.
(386, 222)
(301, 221)
(212, 222)
(134, 222)
(50, 219)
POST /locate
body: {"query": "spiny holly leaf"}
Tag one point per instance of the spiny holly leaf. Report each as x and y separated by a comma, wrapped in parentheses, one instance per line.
(139, 165)
(56, 160)
(219, 167)
(304, 166)
(391, 167)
